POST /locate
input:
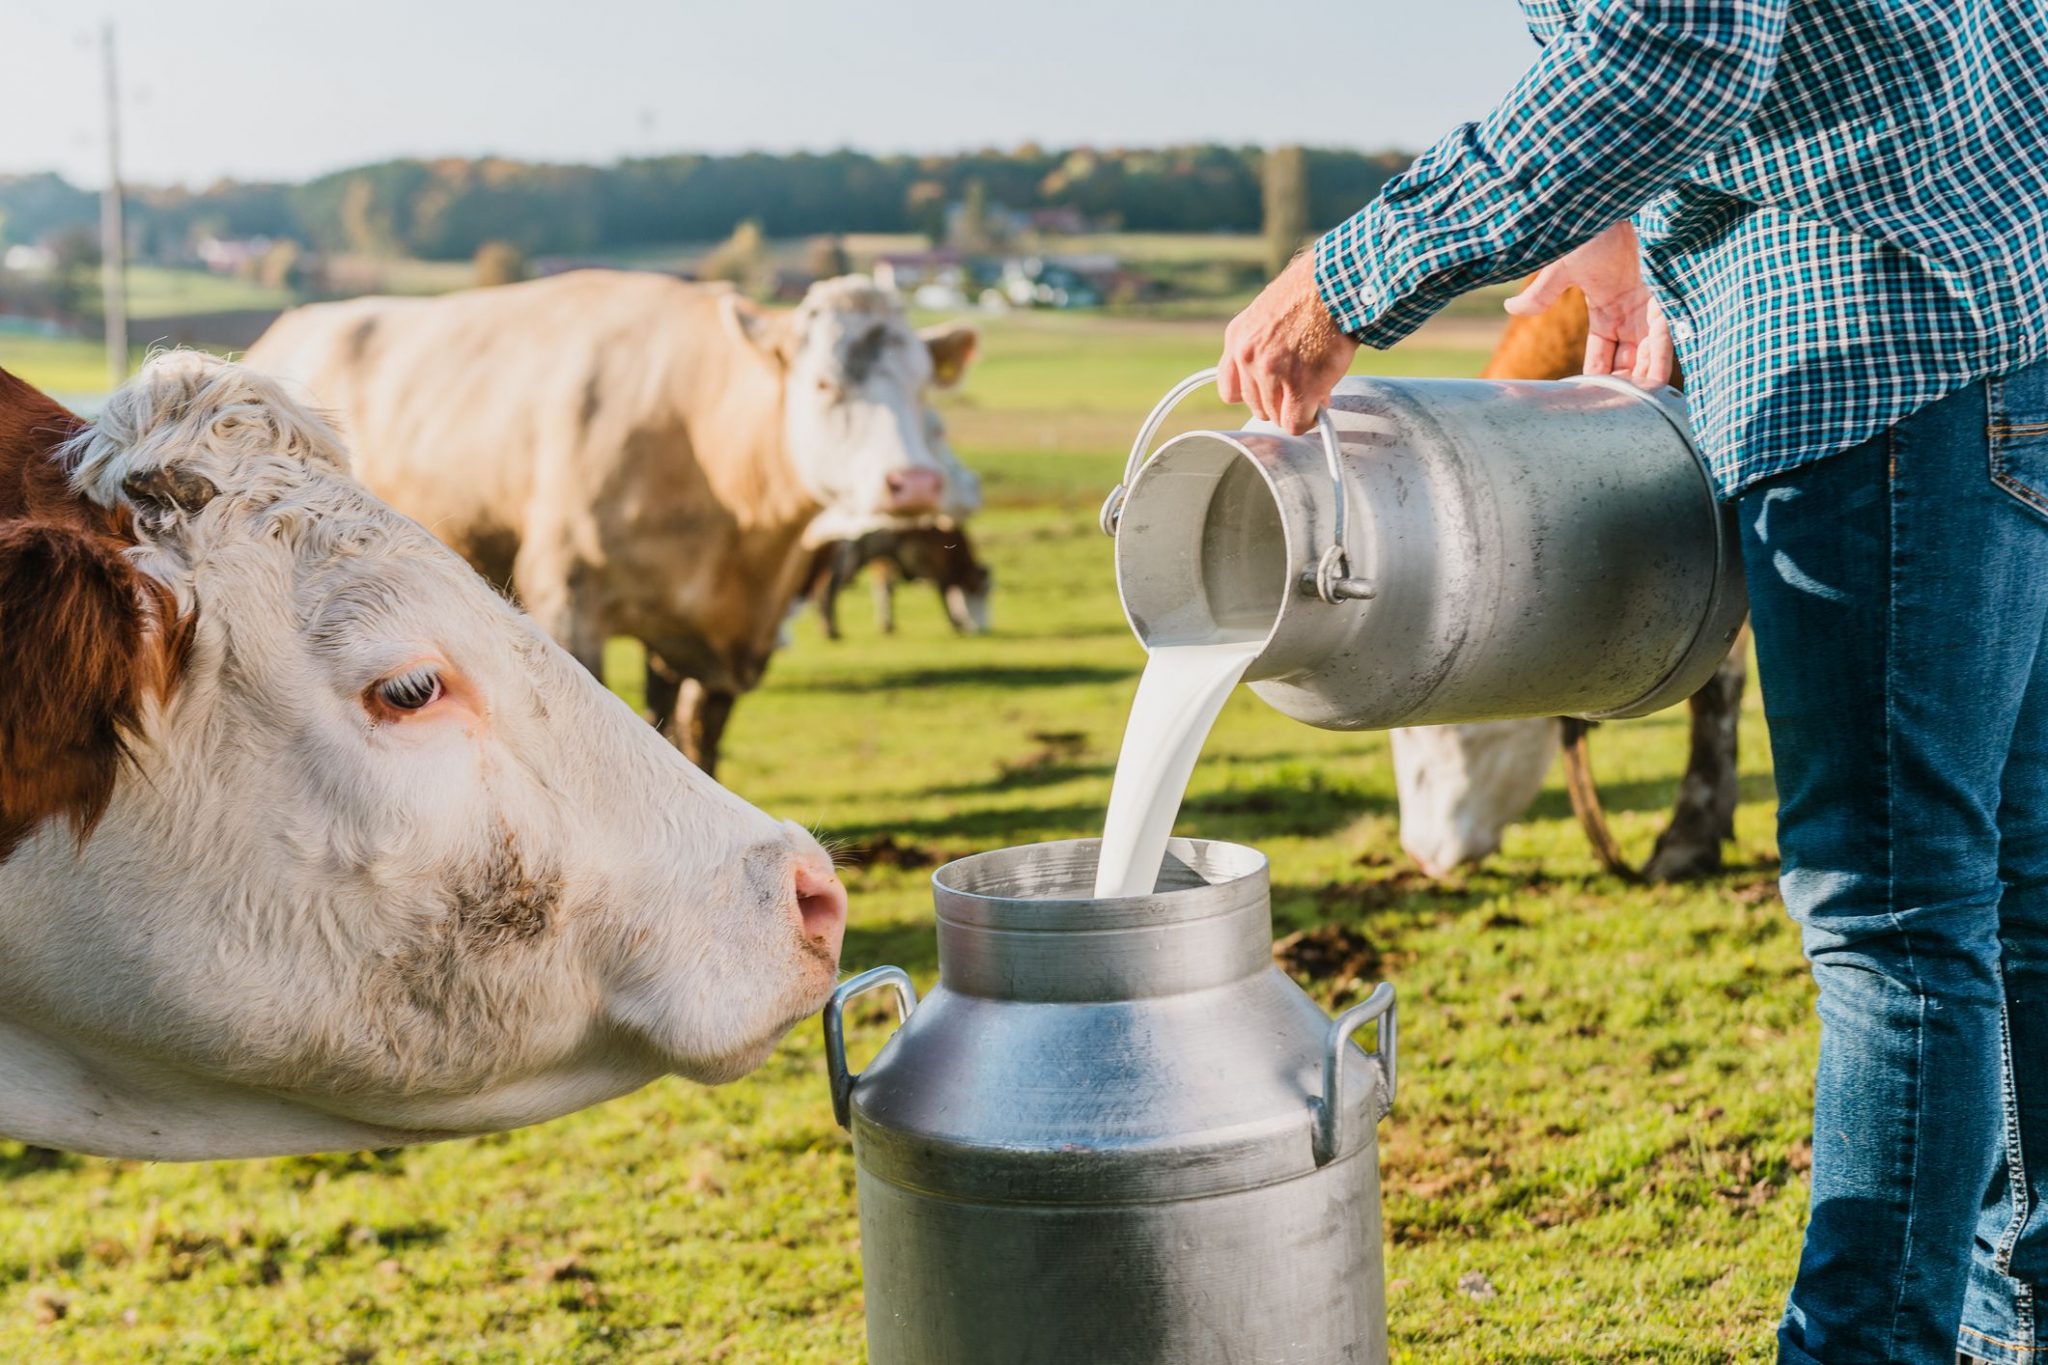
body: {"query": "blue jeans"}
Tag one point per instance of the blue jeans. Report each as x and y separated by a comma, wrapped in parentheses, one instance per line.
(1899, 592)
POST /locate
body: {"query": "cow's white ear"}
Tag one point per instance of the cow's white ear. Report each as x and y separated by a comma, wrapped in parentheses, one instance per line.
(766, 332)
(952, 349)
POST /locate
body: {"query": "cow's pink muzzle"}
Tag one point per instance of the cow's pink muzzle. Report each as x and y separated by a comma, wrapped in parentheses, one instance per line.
(914, 490)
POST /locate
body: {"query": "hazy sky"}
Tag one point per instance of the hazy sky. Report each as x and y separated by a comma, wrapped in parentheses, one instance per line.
(287, 89)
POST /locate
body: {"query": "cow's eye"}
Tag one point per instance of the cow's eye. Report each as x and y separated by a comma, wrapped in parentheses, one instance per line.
(413, 690)
(828, 388)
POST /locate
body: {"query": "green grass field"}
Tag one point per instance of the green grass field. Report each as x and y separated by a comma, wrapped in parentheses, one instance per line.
(61, 365)
(1598, 1153)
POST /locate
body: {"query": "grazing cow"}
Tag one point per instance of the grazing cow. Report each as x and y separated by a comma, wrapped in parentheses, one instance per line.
(931, 550)
(936, 552)
(1462, 785)
(309, 840)
(632, 454)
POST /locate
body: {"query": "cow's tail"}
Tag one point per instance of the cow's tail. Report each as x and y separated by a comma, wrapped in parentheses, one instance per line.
(1585, 795)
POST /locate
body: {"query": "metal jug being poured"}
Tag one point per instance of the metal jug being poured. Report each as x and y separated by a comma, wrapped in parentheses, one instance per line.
(1440, 550)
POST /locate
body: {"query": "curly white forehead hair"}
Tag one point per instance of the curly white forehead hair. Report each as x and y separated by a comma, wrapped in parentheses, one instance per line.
(203, 417)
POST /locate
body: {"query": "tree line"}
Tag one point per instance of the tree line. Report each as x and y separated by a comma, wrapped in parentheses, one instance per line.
(447, 208)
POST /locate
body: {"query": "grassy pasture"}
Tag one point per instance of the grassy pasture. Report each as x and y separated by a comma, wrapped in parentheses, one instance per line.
(1598, 1153)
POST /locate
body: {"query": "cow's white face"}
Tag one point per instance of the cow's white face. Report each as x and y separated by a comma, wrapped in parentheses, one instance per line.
(1461, 786)
(854, 417)
(388, 861)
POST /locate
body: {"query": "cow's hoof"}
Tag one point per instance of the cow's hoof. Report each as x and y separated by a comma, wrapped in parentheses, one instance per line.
(1681, 861)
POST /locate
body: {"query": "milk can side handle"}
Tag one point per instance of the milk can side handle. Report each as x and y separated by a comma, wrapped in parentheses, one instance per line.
(1331, 1109)
(835, 1030)
(1331, 580)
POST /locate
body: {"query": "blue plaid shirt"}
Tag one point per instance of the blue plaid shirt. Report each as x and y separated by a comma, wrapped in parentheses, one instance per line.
(1843, 204)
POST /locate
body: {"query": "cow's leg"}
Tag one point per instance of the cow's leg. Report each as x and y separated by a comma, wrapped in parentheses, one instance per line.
(664, 686)
(560, 592)
(958, 610)
(824, 596)
(883, 579)
(698, 726)
(1704, 816)
(839, 568)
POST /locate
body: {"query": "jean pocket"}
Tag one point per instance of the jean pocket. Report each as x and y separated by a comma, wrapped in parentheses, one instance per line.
(2016, 429)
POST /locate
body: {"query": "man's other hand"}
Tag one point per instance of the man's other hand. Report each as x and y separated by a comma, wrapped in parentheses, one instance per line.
(1625, 329)
(1283, 354)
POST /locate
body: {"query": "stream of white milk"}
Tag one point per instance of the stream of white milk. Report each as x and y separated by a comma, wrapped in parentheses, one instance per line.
(1179, 696)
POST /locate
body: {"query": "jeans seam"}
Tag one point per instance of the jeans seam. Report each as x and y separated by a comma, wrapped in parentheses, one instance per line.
(1891, 883)
(2011, 484)
(2015, 1159)
(2001, 1343)
(1997, 430)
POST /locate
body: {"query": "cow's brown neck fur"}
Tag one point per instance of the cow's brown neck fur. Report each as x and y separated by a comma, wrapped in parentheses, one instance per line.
(87, 637)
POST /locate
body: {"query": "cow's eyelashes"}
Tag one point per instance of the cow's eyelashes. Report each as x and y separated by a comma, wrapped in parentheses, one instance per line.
(413, 690)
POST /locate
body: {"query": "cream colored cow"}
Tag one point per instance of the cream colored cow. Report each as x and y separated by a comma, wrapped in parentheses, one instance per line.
(634, 455)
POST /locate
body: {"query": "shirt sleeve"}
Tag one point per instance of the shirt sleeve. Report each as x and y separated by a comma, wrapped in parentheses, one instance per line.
(1617, 107)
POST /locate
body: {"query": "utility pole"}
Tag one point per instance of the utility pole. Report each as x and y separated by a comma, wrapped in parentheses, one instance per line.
(113, 237)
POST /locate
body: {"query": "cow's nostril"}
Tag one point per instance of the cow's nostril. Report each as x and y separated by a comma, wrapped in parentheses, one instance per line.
(821, 905)
(914, 490)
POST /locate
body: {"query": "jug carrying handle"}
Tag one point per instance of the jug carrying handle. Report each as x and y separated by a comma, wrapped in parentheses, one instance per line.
(1332, 581)
(1331, 1109)
(835, 1030)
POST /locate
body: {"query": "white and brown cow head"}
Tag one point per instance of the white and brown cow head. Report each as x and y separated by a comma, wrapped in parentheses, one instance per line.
(1461, 786)
(309, 840)
(854, 380)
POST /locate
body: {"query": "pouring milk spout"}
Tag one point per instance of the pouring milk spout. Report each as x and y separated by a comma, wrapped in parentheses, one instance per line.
(1440, 551)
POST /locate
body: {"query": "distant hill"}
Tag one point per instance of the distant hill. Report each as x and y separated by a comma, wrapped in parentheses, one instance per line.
(446, 208)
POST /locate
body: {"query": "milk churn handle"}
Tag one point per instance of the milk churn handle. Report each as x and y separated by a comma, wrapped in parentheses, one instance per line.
(1332, 580)
(835, 1030)
(1331, 1108)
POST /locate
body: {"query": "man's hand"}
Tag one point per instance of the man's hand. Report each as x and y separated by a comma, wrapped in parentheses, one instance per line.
(1283, 354)
(1626, 332)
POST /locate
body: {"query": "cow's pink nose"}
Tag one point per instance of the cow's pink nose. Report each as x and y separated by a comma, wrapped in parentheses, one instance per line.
(821, 904)
(915, 490)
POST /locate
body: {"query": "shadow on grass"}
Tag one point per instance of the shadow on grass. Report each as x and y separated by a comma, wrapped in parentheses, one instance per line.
(968, 675)
(18, 1159)
(971, 831)
(910, 944)
(1647, 794)
(1238, 814)
(1024, 777)
(1280, 809)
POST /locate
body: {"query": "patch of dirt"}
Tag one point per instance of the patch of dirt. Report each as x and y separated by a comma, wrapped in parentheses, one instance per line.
(1328, 952)
(1755, 893)
(47, 1307)
(1474, 1285)
(558, 1269)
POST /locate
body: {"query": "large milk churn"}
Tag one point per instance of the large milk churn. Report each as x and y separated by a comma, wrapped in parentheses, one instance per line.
(1440, 550)
(1114, 1133)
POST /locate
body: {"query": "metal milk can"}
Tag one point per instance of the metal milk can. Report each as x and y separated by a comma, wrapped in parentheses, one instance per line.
(1114, 1133)
(1440, 550)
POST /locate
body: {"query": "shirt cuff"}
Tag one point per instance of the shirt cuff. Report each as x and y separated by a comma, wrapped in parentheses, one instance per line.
(1355, 284)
